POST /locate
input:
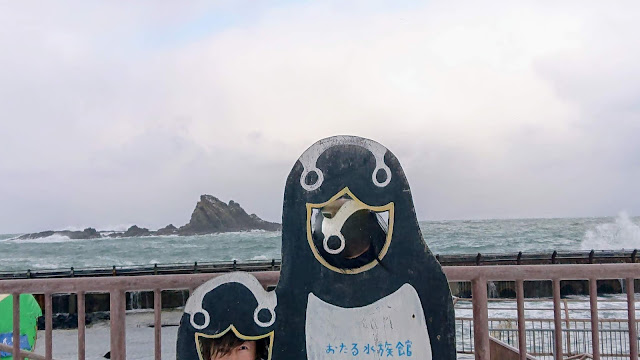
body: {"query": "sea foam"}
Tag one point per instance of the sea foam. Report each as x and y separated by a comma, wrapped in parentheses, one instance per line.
(621, 234)
(55, 238)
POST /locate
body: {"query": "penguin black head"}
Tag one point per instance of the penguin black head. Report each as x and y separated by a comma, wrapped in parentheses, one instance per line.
(337, 191)
(226, 310)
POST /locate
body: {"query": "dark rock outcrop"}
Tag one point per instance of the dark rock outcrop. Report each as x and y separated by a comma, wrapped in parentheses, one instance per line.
(88, 233)
(167, 230)
(136, 231)
(132, 231)
(212, 215)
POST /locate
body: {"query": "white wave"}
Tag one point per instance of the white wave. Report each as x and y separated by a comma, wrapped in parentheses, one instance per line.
(55, 238)
(43, 265)
(621, 234)
(166, 236)
(259, 257)
(75, 227)
(116, 227)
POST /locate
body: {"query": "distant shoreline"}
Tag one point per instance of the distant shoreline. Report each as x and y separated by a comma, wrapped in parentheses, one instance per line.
(211, 216)
(9, 235)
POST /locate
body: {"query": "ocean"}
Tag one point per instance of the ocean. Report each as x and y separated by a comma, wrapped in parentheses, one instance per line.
(442, 237)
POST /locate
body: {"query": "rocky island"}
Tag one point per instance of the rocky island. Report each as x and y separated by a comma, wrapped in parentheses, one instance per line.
(210, 216)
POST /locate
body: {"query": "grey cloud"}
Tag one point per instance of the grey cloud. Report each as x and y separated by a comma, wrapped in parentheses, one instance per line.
(491, 113)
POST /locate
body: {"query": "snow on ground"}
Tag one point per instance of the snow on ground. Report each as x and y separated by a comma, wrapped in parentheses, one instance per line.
(139, 334)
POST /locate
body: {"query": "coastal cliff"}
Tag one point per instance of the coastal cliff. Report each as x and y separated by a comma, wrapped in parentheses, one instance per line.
(211, 215)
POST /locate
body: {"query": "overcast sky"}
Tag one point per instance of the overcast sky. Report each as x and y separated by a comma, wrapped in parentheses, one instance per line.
(116, 113)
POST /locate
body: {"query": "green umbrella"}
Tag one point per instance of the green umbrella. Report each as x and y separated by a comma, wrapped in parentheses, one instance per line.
(29, 313)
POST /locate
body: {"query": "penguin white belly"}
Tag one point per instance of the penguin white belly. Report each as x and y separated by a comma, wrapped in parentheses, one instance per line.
(393, 326)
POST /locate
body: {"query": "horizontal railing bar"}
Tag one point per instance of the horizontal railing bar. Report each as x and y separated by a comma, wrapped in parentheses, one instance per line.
(615, 321)
(444, 259)
(23, 353)
(548, 299)
(541, 309)
(549, 320)
(453, 273)
(146, 282)
(538, 272)
(551, 330)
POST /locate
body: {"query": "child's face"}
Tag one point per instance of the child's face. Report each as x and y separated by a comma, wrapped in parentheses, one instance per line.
(244, 351)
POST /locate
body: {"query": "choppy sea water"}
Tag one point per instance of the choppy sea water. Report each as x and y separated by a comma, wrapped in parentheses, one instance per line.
(443, 237)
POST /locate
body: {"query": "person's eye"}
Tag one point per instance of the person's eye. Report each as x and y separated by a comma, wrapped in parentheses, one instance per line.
(244, 347)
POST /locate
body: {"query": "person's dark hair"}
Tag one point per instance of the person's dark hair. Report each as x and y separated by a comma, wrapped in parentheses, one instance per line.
(221, 346)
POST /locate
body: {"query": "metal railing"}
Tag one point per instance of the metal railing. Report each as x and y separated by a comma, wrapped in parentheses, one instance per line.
(540, 335)
(519, 258)
(613, 331)
(481, 275)
(477, 275)
(116, 287)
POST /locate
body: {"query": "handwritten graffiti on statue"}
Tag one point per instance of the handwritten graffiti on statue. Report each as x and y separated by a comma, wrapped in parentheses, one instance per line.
(385, 349)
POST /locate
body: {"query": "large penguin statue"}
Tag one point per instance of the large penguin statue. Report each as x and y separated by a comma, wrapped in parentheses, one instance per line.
(357, 279)
(338, 301)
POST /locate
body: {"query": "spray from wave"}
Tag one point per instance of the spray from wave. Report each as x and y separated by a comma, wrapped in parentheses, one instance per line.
(44, 240)
(621, 234)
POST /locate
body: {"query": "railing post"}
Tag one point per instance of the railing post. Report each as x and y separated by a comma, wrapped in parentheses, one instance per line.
(522, 330)
(480, 319)
(557, 320)
(81, 325)
(117, 309)
(157, 320)
(16, 325)
(631, 306)
(595, 332)
(48, 326)
(567, 323)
